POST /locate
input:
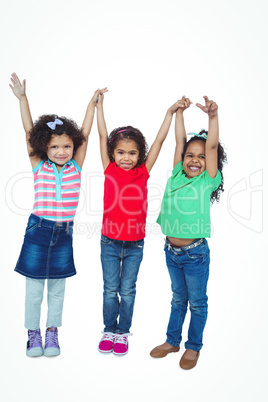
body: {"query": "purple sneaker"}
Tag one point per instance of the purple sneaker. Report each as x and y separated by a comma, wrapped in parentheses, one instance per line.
(34, 344)
(121, 344)
(107, 342)
(52, 346)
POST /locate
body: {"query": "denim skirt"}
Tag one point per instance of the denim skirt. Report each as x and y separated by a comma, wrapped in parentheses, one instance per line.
(47, 250)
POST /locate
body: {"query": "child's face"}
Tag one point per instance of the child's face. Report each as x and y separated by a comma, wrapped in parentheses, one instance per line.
(60, 149)
(126, 154)
(194, 162)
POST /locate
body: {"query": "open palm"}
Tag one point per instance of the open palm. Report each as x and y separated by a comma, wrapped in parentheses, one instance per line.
(17, 88)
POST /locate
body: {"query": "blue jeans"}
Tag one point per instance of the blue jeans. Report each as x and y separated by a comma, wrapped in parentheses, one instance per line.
(120, 265)
(189, 271)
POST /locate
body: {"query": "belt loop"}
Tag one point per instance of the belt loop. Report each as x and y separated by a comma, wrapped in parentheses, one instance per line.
(40, 222)
(67, 227)
(168, 244)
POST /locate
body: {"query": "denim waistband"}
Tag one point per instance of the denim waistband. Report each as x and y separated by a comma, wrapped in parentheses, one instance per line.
(50, 224)
(191, 245)
(127, 242)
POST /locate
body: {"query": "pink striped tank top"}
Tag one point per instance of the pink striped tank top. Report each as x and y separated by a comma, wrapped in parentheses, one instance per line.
(56, 193)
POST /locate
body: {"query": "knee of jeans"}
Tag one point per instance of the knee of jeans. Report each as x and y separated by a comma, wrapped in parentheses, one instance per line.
(111, 292)
(127, 292)
(199, 304)
(179, 299)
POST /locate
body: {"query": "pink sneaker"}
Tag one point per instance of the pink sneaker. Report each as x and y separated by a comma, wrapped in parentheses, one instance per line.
(107, 342)
(121, 344)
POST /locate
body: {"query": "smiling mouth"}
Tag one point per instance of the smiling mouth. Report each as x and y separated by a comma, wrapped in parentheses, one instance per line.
(194, 168)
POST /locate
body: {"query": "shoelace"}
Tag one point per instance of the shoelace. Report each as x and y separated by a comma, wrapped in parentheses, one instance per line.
(52, 337)
(122, 338)
(108, 336)
(35, 337)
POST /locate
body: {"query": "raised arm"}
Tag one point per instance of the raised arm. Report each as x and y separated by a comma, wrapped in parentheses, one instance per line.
(19, 90)
(180, 133)
(211, 108)
(80, 153)
(160, 138)
(102, 132)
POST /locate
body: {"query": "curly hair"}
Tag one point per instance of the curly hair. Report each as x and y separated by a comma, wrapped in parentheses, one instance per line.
(222, 158)
(41, 134)
(128, 133)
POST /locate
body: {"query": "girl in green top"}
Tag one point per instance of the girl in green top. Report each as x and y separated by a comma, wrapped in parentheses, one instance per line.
(196, 182)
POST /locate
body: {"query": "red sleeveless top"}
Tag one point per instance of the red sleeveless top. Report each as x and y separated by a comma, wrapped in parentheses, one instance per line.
(125, 202)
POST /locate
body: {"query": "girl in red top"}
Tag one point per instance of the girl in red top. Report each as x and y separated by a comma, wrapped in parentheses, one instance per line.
(126, 169)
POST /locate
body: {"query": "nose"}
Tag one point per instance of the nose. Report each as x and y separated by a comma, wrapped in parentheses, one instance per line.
(61, 151)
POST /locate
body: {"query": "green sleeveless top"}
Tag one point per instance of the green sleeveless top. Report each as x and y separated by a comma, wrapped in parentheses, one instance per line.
(185, 208)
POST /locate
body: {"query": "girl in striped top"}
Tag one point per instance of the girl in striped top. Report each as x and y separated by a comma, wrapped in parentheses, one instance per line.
(57, 149)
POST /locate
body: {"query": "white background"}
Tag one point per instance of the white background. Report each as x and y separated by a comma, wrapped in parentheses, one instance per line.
(148, 53)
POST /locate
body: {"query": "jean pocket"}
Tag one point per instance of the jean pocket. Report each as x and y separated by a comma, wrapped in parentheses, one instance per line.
(105, 240)
(195, 256)
(139, 244)
(197, 253)
(32, 224)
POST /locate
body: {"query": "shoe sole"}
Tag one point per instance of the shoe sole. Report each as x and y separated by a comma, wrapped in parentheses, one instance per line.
(105, 351)
(49, 352)
(160, 357)
(120, 354)
(34, 352)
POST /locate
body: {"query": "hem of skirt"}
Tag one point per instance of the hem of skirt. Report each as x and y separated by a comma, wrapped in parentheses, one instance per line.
(45, 277)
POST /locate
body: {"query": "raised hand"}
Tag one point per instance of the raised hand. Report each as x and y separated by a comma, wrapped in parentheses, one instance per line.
(101, 97)
(182, 104)
(18, 89)
(97, 94)
(211, 107)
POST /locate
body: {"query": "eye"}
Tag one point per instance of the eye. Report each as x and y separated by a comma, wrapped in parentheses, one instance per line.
(202, 157)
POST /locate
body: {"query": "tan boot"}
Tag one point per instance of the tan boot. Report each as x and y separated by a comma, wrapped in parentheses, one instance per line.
(163, 350)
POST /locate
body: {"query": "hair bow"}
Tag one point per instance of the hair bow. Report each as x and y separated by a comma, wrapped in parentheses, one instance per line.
(52, 124)
(203, 135)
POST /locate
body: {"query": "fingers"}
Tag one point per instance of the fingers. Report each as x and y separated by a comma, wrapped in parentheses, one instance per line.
(204, 108)
(103, 90)
(213, 108)
(16, 82)
(210, 107)
(15, 79)
(184, 102)
(213, 105)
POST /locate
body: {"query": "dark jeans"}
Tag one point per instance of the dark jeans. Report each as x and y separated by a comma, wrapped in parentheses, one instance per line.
(120, 265)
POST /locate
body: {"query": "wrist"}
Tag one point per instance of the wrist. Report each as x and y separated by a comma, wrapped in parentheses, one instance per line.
(213, 117)
(92, 104)
(179, 114)
(22, 97)
(169, 112)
